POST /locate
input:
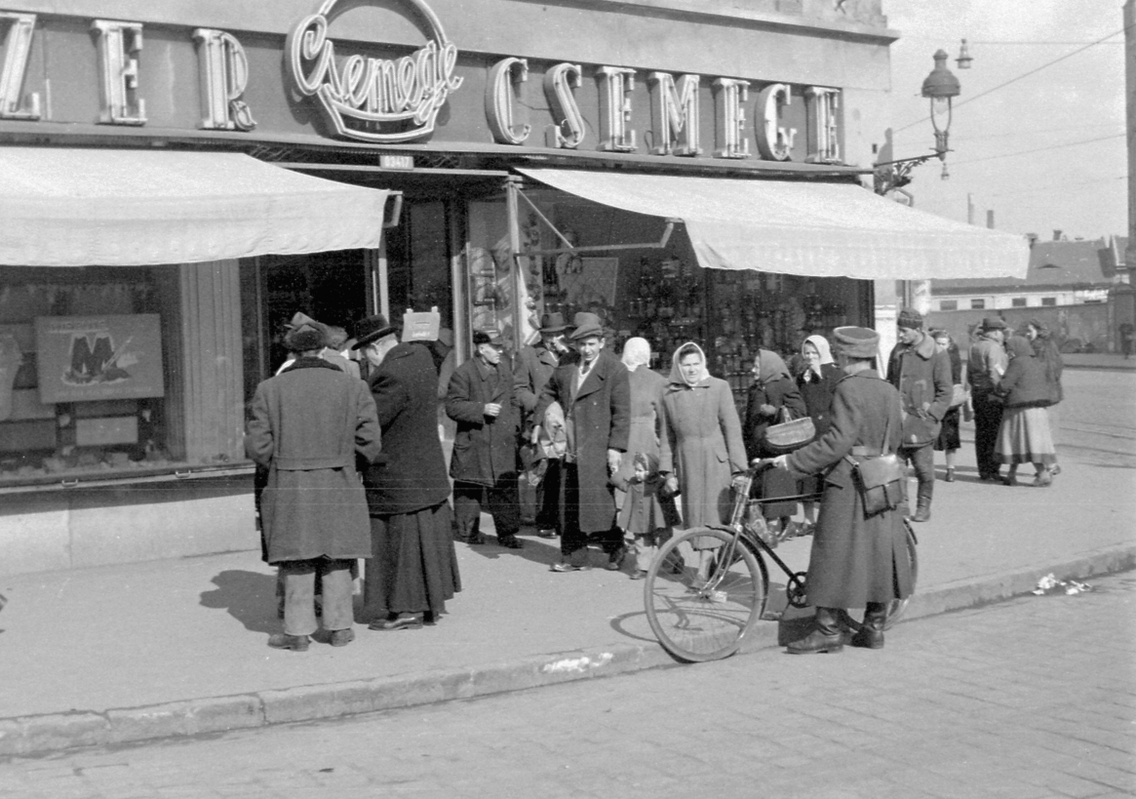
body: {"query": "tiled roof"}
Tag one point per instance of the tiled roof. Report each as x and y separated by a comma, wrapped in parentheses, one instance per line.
(1052, 264)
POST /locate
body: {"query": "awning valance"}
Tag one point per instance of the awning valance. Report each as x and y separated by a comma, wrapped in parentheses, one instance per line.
(87, 206)
(803, 228)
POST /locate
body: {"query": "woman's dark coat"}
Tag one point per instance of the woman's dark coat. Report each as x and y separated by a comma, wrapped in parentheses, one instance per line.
(817, 394)
(413, 476)
(308, 425)
(780, 392)
(600, 418)
(1025, 384)
(485, 447)
(855, 560)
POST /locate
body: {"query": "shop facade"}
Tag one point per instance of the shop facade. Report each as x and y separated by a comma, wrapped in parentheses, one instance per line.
(192, 174)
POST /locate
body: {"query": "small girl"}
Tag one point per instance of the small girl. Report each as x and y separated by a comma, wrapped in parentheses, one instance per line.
(647, 515)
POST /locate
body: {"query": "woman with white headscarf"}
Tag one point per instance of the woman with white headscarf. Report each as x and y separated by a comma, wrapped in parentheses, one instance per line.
(648, 433)
(705, 439)
(817, 384)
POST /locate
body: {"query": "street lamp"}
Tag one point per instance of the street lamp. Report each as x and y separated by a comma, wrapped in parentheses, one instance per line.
(940, 87)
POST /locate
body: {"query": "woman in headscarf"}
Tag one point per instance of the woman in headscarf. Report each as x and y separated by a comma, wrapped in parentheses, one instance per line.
(648, 431)
(1024, 435)
(704, 438)
(817, 384)
(1045, 349)
(772, 390)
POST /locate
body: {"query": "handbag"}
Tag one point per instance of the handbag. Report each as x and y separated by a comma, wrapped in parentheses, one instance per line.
(789, 434)
(878, 479)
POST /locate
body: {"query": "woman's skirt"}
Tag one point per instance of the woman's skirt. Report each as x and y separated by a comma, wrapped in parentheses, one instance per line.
(949, 433)
(1024, 437)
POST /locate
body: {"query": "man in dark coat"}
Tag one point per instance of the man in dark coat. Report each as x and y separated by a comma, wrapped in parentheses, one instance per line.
(922, 373)
(534, 366)
(413, 568)
(308, 426)
(855, 561)
(484, 462)
(985, 366)
(595, 394)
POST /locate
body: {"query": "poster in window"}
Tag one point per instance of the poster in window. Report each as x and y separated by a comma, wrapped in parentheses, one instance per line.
(84, 358)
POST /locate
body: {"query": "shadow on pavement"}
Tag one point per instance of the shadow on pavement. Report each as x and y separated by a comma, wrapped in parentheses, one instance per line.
(248, 596)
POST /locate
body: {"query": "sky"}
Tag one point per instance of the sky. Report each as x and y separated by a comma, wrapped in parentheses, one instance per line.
(1045, 152)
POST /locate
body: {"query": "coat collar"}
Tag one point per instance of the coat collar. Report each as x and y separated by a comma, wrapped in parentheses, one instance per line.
(311, 363)
(925, 349)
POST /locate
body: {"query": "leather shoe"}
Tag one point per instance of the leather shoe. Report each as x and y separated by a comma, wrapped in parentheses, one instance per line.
(473, 539)
(510, 541)
(921, 515)
(638, 574)
(615, 559)
(341, 637)
(546, 532)
(816, 642)
(404, 621)
(868, 638)
(297, 643)
(950, 477)
(565, 567)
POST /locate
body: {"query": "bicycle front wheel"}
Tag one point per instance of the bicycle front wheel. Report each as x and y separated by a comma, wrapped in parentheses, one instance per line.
(702, 602)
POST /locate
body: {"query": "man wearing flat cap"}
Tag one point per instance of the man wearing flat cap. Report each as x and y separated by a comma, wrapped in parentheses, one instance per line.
(986, 364)
(535, 365)
(595, 393)
(922, 373)
(308, 425)
(484, 461)
(856, 561)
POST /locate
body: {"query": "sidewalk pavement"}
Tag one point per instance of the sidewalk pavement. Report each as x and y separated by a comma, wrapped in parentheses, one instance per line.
(178, 647)
(1098, 360)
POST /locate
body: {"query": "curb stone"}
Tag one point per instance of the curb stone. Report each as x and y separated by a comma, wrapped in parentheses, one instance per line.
(40, 734)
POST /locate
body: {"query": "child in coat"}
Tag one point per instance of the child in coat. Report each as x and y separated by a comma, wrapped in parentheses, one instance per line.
(648, 515)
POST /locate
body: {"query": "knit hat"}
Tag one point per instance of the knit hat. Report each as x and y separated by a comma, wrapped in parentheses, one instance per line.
(857, 342)
(910, 318)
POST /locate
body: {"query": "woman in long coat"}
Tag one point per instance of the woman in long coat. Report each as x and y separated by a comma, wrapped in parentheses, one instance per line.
(1024, 435)
(704, 439)
(413, 569)
(648, 431)
(772, 390)
(855, 561)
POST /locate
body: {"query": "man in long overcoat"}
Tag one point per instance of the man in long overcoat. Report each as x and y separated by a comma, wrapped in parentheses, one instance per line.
(413, 567)
(596, 396)
(855, 562)
(534, 366)
(984, 369)
(922, 373)
(308, 425)
(484, 462)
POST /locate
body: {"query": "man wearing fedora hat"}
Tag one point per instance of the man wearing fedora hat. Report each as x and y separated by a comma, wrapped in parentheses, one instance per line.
(986, 364)
(413, 569)
(535, 365)
(484, 461)
(595, 393)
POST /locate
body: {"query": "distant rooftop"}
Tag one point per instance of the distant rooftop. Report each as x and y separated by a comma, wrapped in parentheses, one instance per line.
(1088, 263)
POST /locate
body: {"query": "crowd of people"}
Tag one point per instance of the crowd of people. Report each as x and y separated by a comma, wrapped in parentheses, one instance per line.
(618, 456)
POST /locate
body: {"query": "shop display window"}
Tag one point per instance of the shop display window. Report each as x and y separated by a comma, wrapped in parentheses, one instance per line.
(112, 373)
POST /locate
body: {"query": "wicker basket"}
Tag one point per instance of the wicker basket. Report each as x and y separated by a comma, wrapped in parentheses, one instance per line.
(788, 436)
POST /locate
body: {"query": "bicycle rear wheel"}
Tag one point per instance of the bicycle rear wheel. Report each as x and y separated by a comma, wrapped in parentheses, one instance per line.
(699, 617)
(897, 607)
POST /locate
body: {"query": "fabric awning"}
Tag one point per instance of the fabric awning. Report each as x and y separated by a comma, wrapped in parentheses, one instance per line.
(803, 228)
(86, 206)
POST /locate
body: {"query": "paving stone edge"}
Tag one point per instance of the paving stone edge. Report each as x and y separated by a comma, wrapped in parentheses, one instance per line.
(40, 734)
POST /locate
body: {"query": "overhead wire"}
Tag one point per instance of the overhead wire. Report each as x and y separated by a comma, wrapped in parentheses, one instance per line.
(1039, 149)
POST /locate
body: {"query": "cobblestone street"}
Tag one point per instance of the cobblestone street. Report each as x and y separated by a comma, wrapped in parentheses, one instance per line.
(1034, 697)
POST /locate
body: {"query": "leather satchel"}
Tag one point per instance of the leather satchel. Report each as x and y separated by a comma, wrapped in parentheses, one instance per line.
(878, 479)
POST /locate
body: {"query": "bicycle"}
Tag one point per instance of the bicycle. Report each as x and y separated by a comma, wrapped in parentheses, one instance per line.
(704, 613)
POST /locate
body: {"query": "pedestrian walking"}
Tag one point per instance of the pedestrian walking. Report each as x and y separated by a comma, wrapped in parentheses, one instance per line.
(948, 441)
(705, 442)
(308, 425)
(817, 384)
(534, 366)
(773, 397)
(856, 560)
(1025, 436)
(985, 366)
(484, 461)
(413, 567)
(595, 393)
(923, 376)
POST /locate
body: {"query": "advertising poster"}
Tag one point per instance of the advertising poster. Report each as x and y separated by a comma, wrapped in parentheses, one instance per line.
(84, 358)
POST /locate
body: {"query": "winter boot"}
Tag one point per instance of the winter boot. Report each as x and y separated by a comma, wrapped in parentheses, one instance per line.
(824, 637)
(871, 633)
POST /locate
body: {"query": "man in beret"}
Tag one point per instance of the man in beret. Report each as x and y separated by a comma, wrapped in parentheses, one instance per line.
(535, 365)
(484, 461)
(922, 373)
(856, 561)
(308, 425)
(986, 364)
(595, 393)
